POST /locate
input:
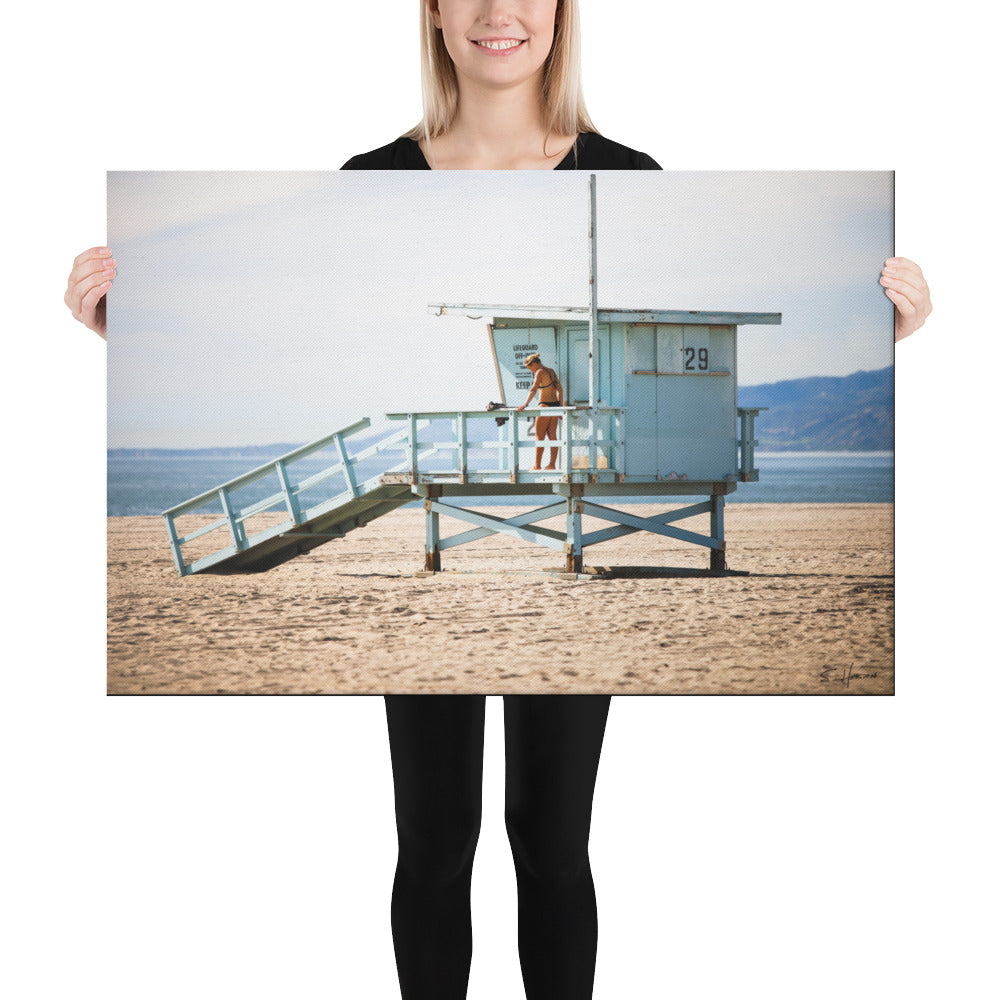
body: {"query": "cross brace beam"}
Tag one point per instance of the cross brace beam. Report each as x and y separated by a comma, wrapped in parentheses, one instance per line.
(607, 534)
(519, 520)
(637, 523)
(498, 525)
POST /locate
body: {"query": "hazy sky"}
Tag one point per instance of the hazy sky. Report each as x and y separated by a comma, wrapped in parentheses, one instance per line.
(259, 307)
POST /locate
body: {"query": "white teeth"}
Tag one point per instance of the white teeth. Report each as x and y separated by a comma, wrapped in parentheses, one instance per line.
(507, 43)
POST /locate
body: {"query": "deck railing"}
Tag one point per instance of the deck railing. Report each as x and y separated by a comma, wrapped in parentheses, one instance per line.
(481, 446)
(747, 443)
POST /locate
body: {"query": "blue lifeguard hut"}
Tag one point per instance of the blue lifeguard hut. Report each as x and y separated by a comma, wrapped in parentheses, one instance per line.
(650, 411)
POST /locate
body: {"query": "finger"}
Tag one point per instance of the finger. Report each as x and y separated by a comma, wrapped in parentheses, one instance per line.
(81, 283)
(907, 270)
(90, 254)
(917, 293)
(900, 267)
(914, 293)
(96, 265)
(912, 310)
(88, 304)
(907, 319)
(79, 287)
(902, 303)
(85, 294)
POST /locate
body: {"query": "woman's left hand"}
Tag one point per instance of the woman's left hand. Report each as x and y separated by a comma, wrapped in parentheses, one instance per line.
(904, 284)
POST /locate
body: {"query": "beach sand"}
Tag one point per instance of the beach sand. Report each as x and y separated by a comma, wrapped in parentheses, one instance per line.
(355, 616)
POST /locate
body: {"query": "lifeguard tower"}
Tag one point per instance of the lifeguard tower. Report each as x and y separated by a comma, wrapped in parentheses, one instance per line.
(650, 411)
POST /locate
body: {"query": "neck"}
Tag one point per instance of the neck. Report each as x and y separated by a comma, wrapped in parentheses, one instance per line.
(497, 129)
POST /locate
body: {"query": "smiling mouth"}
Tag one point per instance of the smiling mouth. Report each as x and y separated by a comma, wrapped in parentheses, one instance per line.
(499, 44)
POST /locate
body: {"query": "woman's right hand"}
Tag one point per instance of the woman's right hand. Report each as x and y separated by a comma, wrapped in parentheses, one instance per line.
(89, 282)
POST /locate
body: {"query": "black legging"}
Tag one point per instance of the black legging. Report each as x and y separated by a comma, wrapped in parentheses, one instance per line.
(553, 745)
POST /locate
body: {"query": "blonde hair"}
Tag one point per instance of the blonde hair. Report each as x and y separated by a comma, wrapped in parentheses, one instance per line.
(562, 92)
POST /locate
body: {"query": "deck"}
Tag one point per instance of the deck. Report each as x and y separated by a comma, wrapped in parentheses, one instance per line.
(323, 490)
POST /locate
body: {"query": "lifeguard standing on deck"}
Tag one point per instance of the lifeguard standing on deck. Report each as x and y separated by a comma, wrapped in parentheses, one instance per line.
(549, 387)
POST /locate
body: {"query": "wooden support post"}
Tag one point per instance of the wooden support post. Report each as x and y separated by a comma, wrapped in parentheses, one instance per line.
(432, 553)
(717, 557)
(574, 532)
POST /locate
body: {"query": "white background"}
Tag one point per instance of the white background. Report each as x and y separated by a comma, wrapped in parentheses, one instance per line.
(244, 848)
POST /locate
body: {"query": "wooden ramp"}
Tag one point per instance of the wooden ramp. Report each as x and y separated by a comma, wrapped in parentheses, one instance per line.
(292, 505)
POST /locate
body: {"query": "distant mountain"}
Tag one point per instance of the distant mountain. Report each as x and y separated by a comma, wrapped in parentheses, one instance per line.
(824, 413)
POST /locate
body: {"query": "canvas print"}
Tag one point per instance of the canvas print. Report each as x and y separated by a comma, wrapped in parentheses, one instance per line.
(500, 433)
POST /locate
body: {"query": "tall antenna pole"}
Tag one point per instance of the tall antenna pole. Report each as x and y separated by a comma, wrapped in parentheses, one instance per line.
(593, 285)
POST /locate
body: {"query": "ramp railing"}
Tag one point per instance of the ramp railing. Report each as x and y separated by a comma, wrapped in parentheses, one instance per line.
(301, 485)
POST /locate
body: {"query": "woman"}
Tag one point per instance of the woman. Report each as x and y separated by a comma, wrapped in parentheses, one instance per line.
(501, 84)
(550, 394)
(501, 91)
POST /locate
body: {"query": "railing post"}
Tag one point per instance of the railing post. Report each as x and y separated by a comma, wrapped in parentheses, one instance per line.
(352, 484)
(462, 449)
(567, 436)
(412, 451)
(619, 419)
(291, 501)
(175, 545)
(236, 532)
(514, 447)
(743, 443)
(592, 443)
(605, 440)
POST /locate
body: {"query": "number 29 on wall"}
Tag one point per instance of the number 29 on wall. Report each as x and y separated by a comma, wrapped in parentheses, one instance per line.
(694, 353)
(696, 359)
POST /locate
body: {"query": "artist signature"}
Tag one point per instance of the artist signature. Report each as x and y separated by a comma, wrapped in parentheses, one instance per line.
(844, 675)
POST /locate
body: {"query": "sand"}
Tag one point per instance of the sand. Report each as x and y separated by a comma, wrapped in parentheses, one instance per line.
(815, 615)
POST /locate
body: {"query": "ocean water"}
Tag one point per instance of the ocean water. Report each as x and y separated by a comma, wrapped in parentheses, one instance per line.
(150, 485)
(820, 477)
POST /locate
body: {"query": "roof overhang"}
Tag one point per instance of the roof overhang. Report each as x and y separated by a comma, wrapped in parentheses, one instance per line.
(581, 313)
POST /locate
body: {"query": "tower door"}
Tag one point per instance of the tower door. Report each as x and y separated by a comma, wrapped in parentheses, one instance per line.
(578, 384)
